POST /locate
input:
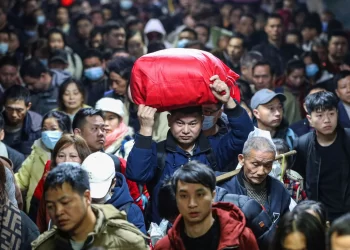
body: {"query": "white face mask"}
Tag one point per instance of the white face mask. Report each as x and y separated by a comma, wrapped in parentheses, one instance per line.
(208, 122)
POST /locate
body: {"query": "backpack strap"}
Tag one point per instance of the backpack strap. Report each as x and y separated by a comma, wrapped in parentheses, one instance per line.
(211, 159)
(161, 155)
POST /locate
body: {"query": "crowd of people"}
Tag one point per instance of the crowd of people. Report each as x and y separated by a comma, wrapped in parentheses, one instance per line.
(83, 167)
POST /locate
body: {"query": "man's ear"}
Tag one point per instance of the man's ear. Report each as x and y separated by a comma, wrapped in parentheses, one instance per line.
(213, 195)
(241, 159)
(304, 106)
(29, 106)
(309, 119)
(256, 113)
(87, 196)
(2, 134)
(77, 131)
(336, 91)
(169, 120)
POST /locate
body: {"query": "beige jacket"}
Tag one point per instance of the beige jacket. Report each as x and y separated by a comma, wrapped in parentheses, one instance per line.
(111, 231)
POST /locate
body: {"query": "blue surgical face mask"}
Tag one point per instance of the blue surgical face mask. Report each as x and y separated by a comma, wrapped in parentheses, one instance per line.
(182, 43)
(44, 61)
(4, 47)
(311, 70)
(94, 73)
(40, 19)
(50, 138)
(30, 33)
(208, 122)
(126, 4)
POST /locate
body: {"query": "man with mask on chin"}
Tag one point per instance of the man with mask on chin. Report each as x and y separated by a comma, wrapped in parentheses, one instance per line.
(94, 80)
(216, 126)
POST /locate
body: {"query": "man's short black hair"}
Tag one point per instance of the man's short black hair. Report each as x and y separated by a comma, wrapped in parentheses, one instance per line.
(9, 60)
(81, 17)
(340, 226)
(205, 26)
(75, 176)
(93, 53)
(122, 66)
(264, 63)
(240, 36)
(187, 110)
(79, 118)
(33, 68)
(338, 33)
(321, 101)
(249, 15)
(274, 16)
(196, 173)
(111, 25)
(339, 76)
(17, 93)
(167, 207)
(191, 31)
(293, 65)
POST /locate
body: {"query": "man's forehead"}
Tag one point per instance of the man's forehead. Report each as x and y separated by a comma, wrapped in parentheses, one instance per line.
(260, 155)
(186, 117)
(15, 103)
(186, 186)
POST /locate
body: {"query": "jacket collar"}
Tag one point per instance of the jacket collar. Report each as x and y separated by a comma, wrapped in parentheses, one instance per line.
(232, 223)
(201, 142)
(62, 240)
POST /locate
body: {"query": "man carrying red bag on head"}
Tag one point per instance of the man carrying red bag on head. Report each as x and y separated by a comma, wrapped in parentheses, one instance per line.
(150, 162)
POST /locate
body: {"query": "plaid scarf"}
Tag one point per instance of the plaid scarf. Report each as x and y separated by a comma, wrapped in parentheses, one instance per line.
(10, 225)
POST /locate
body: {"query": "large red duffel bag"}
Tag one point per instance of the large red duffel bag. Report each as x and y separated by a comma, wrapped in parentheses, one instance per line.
(176, 78)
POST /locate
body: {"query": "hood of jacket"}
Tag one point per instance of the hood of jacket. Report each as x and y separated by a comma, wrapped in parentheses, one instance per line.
(121, 194)
(58, 77)
(154, 25)
(232, 224)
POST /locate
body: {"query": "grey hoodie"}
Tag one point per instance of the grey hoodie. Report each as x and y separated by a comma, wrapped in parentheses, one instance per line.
(155, 25)
(43, 102)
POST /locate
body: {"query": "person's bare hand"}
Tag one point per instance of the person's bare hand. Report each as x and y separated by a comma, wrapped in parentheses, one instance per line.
(221, 91)
(145, 115)
(344, 67)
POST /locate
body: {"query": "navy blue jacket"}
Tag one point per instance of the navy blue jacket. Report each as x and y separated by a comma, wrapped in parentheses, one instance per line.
(31, 131)
(121, 196)
(278, 198)
(142, 160)
(343, 117)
